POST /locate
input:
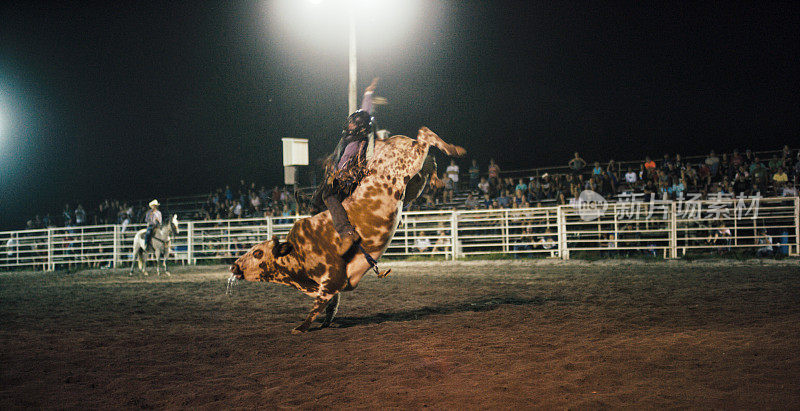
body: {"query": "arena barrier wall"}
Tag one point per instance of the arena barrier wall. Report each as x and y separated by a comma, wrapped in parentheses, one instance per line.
(661, 229)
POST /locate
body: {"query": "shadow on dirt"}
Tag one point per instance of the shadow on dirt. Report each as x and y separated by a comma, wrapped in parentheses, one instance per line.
(420, 313)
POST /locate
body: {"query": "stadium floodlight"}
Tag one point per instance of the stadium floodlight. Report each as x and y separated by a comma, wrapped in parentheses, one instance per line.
(319, 20)
(352, 96)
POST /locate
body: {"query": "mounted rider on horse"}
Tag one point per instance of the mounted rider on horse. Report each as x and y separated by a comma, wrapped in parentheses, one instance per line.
(153, 220)
(157, 237)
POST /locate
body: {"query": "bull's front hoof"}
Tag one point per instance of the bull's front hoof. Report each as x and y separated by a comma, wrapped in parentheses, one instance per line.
(301, 328)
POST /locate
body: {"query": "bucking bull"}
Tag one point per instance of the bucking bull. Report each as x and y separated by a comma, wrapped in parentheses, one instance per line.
(308, 259)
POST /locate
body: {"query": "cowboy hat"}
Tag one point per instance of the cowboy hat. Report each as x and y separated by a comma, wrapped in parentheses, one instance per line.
(154, 203)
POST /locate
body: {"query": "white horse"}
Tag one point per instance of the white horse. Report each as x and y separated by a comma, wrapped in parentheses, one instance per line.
(159, 244)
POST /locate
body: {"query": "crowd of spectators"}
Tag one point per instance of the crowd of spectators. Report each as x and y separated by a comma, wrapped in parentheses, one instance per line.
(669, 178)
(243, 201)
(248, 200)
(107, 212)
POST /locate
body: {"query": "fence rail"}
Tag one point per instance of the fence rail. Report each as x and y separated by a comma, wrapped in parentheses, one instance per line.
(667, 229)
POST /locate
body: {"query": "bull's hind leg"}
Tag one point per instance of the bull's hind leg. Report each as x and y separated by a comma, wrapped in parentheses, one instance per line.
(417, 183)
(330, 310)
(425, 134)
(319, 305)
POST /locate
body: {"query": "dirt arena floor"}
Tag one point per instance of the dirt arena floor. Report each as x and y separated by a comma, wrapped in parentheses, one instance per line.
(471, 335)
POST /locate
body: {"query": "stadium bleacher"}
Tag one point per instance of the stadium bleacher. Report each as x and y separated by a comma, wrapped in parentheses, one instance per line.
(565, 184)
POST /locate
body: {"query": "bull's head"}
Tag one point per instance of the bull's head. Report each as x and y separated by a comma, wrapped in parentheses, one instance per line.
(258, 264)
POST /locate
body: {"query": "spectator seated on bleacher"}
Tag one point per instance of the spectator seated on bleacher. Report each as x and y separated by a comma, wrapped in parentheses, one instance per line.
(524, 242)
(765, 242)
(720, 236)
(483, 186)
(470, 203)
(504, 200)
(547, 241)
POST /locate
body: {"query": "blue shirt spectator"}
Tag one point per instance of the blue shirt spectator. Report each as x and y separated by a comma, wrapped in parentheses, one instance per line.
(521, 186)
(597, 170)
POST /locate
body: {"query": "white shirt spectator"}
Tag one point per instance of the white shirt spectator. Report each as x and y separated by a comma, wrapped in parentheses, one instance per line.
(452, 172)
(545, 241)
(766, 242)
(422, 244)
(10, 246)
(80, 216)
(484, 186)
(630, 177)
(126, 222)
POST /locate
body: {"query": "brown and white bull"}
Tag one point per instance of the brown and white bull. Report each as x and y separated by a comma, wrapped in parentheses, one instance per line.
(308, 259)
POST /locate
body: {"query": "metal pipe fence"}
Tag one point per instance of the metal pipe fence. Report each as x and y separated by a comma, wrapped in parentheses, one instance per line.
(662, 229)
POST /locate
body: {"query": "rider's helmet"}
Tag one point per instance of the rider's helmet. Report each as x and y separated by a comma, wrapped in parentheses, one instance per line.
(359, 124)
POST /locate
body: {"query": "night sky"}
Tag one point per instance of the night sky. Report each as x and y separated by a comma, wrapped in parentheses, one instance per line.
(149, 99)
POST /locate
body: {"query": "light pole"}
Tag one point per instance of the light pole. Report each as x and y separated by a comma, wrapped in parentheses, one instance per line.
(352, 96)
(353, 92)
